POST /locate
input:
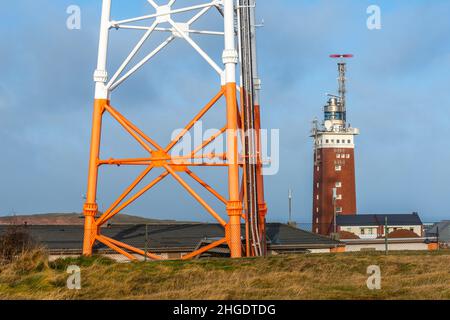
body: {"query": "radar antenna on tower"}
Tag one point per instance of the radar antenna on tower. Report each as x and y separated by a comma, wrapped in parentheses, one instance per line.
(342, 69)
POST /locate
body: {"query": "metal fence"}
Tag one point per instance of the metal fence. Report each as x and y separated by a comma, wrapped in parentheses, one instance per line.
(174, 241)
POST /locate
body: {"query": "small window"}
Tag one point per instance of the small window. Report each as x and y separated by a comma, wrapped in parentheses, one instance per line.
(338, 156)
(339, 197)
(317, 210)
(363, 231)
(327, 141)
(317, 220)
(317, 197)
(338, 141)
(318, 185)
(338, 184)
(348, 156)
(338, 209)
(338, 168)
(318, 168)
(332, 140)
(349, 141)
(317, 230)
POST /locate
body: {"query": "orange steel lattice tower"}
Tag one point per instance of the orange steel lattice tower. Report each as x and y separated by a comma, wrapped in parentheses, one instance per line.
(159, 156)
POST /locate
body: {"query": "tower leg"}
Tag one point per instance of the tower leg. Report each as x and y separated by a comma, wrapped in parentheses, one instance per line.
(262, 206)
(234, 207)
(90, 208)
(230, 60)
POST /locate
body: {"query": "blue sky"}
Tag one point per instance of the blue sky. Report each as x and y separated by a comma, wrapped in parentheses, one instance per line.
(398, 96)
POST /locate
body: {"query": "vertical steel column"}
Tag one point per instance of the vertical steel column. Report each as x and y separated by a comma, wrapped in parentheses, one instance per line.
(230, 60)
(90, 208)
(262, 206)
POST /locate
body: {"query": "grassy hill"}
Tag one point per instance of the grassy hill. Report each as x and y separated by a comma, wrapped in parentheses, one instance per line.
(411, 275)
(72, 219)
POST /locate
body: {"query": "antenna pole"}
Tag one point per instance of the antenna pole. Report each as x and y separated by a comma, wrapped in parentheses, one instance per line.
(290, 205)
(342, 68)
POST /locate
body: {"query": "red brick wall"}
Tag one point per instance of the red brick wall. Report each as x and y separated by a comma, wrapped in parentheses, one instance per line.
(327, 177)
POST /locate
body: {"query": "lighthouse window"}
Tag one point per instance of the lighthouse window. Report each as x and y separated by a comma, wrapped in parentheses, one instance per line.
(332, 140)
(348, 156)
(338, 168)
(338, 156)
(338, 141)
(338, 184)
(327, 141)
(339, 197)
(338, 209)
(349, 141)
(317, 197)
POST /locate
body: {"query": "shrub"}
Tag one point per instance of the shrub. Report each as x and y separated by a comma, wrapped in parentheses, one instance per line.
(14, 242)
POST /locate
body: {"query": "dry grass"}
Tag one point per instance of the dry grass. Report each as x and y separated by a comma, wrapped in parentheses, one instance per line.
(413, 275)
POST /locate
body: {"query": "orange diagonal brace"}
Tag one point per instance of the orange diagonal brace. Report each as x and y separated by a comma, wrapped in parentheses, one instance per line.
(193, 121)
(195, 195)
(131, 248)
(133, 198)
(130, 130)
(204, 249)
(116, 114)
(106, 214)
(106, 242)
(206, 186)
(207, 142)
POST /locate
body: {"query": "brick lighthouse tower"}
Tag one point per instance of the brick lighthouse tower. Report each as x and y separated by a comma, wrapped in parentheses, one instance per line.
(334, 161)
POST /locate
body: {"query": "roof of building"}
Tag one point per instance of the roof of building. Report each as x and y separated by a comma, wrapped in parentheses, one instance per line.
(402, 234)
(379, 219)
(442, 229)
(345, 235)
(171, 237)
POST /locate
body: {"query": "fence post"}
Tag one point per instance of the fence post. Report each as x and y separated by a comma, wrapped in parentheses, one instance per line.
(437, 237)
(146, 242)
(386, 235)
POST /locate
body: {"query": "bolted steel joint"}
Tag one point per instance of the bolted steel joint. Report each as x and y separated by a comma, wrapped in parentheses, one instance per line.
(100, 76)
(234, 208)
(90, 209)
(262, 208)
(230, 56)
(257, 83)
